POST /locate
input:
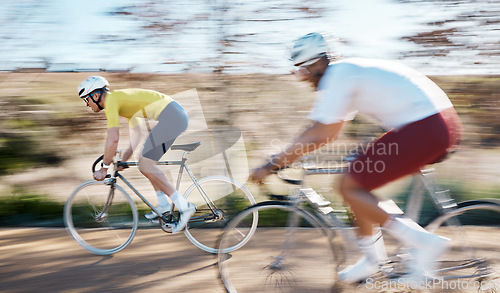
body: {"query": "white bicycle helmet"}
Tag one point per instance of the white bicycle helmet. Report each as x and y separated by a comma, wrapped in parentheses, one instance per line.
(91, 84)
(308, 48)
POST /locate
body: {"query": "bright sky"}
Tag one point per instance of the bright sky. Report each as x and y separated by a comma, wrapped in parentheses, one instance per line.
(72, 35)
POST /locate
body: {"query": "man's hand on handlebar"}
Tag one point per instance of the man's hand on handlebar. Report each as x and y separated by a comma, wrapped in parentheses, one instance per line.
(259, 174)
(100, 174)
(122, 167)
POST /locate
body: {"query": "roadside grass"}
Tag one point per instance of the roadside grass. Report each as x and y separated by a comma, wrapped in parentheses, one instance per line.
(20, 152)
(22, 207)
(25, 208)
(460, 192)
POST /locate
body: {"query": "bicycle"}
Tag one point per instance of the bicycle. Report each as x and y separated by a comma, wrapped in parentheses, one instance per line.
(305, 245)
(103, 218)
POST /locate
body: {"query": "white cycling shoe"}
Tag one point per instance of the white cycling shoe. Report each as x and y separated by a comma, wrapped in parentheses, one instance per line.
(358, 272)
(422, 267)
(425, 257)
(185, 215)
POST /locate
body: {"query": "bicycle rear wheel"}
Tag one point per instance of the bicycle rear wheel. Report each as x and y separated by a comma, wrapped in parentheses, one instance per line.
(474, 228)
(98, 231)
(229, 197)
(290, 251)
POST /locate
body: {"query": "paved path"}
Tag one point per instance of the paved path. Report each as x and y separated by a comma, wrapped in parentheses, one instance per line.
(48, 260)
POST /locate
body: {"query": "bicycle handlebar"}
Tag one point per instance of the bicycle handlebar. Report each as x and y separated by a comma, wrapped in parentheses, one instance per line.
(312, 170)
(288, 180)
(96, 162)
(283, 178)
(124, 165)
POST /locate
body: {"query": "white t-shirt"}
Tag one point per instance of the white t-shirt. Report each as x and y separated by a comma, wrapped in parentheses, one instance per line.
(388, 91)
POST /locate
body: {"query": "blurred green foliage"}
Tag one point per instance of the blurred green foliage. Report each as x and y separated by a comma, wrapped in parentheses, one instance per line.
(26, 138)
(19, 152)
(460, 192)
(26, 208)
(477, 100)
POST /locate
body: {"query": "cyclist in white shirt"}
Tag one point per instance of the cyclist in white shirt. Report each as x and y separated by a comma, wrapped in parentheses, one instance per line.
(422, 126)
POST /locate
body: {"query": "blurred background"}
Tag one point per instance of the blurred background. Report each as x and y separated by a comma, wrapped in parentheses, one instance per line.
(235, 54)
(253, 36)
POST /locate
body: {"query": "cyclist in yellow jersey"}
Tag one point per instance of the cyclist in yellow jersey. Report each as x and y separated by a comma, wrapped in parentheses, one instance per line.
(130, 102)
(137, 105)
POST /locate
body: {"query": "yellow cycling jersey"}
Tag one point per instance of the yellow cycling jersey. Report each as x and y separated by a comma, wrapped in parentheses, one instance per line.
(134, 104)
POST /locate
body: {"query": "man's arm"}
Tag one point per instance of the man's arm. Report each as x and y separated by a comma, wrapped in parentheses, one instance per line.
(110, 147)
(314, 137)
(112, 138)
(128, 153)
(136, 134)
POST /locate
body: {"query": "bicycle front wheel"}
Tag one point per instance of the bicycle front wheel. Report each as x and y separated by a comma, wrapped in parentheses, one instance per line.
(473, 227)
(100, 224)
(217, 200)
(290, 251)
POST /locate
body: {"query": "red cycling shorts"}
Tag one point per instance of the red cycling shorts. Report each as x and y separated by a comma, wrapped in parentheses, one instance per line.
(406, 150)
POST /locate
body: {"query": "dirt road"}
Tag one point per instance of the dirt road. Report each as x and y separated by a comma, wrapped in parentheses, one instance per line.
(48, 260)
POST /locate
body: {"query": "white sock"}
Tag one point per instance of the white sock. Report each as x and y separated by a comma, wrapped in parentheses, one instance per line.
(179, 201)
(373, 247)
(162, 199)
(407, 231)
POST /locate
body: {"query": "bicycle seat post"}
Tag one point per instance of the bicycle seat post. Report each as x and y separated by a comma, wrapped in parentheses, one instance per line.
(118, 155)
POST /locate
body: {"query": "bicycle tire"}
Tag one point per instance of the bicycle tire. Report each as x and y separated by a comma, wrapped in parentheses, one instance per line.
(106, 236)
(230, 197)
(270, 261)
(473, 229)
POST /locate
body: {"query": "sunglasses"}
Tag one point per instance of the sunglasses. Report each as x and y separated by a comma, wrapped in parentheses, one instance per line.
(308, 63)
(302, 69)
(86, 99)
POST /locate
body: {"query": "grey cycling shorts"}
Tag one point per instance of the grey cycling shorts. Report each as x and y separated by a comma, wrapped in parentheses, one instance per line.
(172, 121)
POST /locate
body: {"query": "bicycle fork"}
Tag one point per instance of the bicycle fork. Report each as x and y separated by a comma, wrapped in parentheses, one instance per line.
(103, 214)
(289, 243)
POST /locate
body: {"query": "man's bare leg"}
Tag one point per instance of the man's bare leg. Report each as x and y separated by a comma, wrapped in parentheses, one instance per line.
(364, 206)
(149, 169)
(367, 213)
(157, 178)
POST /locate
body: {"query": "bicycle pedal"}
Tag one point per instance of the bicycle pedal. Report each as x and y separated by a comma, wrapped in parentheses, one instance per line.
(167, 227)
(315, 198)
(326, 210)
(390, 207)
(155, 221)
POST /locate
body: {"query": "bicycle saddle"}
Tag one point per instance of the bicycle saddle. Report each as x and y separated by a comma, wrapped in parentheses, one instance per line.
(186, 147)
